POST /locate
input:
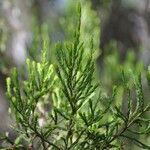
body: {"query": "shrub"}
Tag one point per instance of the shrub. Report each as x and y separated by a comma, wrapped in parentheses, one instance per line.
(80, 115)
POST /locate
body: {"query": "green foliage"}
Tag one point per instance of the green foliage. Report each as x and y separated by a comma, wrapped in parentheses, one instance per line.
(89, 21)
(4, 64)
(80, 114)
(3, 35)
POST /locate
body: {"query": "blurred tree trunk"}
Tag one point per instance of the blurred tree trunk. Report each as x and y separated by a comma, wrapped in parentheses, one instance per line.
(17, 16)
(127, 22)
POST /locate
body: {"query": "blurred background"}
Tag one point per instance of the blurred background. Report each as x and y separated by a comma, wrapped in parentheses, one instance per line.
(120, 30)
